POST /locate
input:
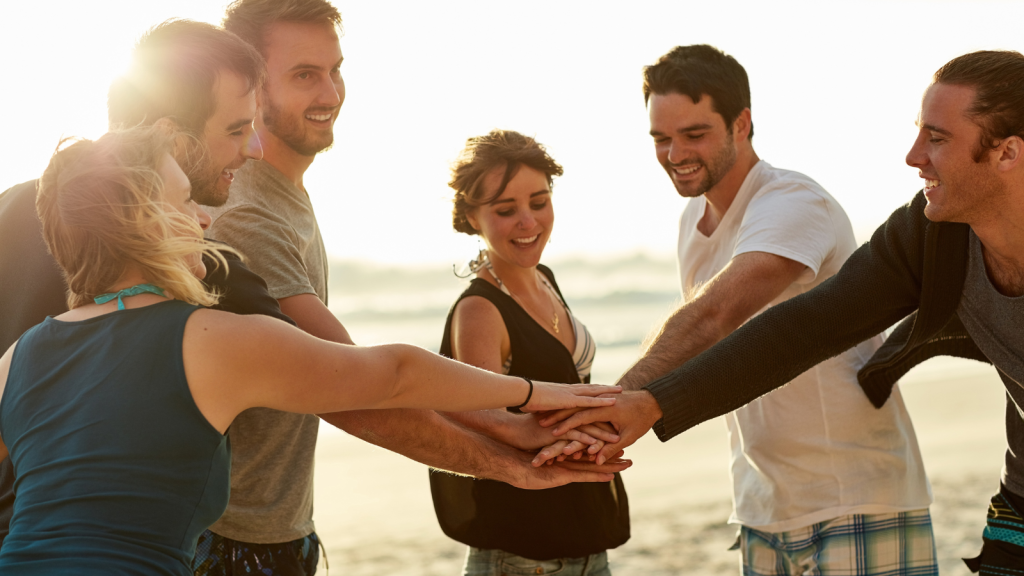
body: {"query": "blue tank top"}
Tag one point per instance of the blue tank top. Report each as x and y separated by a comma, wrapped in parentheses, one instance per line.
(117, 470)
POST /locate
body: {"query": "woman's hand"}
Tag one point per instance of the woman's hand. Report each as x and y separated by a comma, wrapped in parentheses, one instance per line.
(548, 396)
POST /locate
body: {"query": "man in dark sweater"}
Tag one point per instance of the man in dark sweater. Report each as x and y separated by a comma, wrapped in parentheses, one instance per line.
(950, 265)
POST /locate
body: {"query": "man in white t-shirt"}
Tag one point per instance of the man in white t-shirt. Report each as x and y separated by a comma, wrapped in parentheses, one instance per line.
(823, 483)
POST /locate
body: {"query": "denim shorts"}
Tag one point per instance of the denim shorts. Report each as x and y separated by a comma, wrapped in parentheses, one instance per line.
(481, 562)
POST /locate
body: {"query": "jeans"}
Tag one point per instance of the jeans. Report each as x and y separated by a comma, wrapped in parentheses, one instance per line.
(481, 562)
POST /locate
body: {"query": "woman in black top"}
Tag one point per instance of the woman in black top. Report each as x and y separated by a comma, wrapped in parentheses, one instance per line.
(512, 320)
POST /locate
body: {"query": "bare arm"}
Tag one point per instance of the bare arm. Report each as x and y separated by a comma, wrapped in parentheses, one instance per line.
(748, 284)
(237, 362)
(313, 317)
(430, 439)
(423, 435)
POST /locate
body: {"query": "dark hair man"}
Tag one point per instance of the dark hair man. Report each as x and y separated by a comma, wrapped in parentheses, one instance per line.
(268, 525)
(952, 259)
(814, 465)
(219, 111)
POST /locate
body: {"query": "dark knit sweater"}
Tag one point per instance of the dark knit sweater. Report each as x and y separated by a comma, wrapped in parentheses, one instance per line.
(912, 270)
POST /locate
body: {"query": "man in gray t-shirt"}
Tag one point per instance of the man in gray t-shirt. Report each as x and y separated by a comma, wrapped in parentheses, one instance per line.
(268, 526)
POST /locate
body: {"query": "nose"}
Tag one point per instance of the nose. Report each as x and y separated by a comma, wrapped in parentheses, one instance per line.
(332, 94)
(526, 220)
(253, 148)
(676, 154)
(917, 157)
(203, 217)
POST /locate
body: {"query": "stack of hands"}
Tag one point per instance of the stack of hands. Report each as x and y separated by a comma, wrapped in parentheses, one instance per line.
(588, 438)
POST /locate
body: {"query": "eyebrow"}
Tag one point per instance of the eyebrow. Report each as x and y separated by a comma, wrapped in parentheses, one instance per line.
(307, 66)
(690, 128)
(537, 193)
(931, 128)
(239, 124)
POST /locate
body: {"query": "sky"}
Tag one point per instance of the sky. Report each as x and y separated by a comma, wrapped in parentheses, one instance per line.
(836, 87)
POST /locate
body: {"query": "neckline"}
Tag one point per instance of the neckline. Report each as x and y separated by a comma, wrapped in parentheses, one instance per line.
(112, 313)
(743, 191)
(570, 353)
(547, 284)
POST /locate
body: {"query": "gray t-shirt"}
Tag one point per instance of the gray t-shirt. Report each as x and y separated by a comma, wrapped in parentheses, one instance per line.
(994, 322)
(271, 222)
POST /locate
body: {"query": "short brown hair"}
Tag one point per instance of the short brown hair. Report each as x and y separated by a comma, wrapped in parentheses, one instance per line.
(483, 154)
(102, 208)
(249, 19)
(174, 68)
(698, 70)
(997, 77)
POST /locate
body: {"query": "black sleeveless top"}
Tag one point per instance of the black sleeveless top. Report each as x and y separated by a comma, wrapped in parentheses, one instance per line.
(565, 522)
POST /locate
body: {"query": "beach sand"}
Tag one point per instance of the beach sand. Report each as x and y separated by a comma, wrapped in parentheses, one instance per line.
(375, 516)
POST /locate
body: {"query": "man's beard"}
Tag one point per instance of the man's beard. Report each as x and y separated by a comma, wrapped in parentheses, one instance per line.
(204, 187)
(290, 130)
(714, 171)
(194, 159)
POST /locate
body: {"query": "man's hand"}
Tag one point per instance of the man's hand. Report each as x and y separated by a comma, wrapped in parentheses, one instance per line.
(522, 474)
(632, 416)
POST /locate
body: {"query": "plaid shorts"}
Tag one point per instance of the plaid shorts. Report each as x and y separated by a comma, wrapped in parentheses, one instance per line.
(897, 544)
(220, 556)
(1002, 553)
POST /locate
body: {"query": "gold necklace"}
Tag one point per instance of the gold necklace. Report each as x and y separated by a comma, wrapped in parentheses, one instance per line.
(549, 291)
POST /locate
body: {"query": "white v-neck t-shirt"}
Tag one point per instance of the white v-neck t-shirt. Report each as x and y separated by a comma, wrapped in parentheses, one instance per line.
(816, 448)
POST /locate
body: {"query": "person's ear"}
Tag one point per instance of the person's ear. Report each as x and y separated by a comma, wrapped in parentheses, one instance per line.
(1009, 153)
(166, 125)
(472, 219)
(741, 125)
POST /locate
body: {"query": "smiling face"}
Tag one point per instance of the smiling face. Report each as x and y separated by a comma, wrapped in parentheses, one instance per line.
(516, 225)
(304, 90)
(178, 197)
(692, 142)
(229, 138)
(958, 188)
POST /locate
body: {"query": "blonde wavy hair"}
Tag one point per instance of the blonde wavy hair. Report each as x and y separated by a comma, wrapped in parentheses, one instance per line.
(101, 204)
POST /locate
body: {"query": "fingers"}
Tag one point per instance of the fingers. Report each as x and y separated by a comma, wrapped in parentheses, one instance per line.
(548, 396)
(580, 436)
(595, 389)
(573, 448)
(579, 419)
(608, 453)
(549, 452)
(613, 465)
(597, 431)
(554, 416)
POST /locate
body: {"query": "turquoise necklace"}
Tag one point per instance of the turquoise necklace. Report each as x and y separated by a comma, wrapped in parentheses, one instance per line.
(132, 291)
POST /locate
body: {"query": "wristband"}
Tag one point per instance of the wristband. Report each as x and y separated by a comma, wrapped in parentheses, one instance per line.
(529, 395)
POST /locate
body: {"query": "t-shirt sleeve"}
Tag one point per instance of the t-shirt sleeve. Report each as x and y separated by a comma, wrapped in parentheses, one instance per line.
(792, 221)
(270, 245)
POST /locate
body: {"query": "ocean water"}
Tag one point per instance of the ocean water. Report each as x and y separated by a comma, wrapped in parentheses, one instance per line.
(621, 299)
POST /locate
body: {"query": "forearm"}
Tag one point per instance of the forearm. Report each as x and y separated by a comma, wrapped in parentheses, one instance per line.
(688, 332)
(775, 347)
(428, 438)
(425, 380)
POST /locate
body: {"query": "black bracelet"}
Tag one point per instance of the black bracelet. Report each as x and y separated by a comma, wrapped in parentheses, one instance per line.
(516, 409)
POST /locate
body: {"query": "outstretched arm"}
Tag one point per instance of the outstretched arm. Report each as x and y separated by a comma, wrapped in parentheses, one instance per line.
(431, 439)
(879, 285)
(747, 284)
(238, 362)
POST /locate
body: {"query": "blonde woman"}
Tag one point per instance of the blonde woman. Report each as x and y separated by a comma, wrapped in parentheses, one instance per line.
(114, 413)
